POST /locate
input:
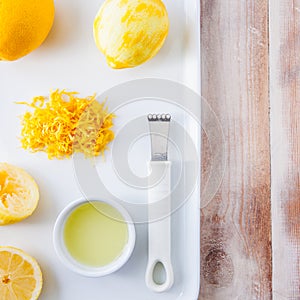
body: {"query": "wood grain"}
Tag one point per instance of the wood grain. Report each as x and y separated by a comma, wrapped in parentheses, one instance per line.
(285, 140)
(236, 260)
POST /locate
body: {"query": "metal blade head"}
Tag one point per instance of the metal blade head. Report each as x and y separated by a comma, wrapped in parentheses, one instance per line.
(159, 125)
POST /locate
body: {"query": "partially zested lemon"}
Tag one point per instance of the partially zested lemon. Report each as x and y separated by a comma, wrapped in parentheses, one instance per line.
(19, 194)
(130, 32)
(20, 275)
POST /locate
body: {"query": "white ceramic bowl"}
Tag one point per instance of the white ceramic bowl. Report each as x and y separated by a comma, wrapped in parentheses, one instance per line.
(76, 266)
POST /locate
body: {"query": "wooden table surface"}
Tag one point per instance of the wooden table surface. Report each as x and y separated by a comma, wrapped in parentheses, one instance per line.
(250, 230)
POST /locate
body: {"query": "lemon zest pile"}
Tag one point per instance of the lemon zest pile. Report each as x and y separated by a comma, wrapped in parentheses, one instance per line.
(65, 124)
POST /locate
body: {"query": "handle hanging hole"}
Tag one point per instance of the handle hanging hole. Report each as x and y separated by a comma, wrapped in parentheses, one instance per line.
(159, 274)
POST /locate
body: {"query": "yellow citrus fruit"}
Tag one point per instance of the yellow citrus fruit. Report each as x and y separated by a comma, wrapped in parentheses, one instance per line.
(19, 194)
(130, 32)
(20, 275)
(24, 25)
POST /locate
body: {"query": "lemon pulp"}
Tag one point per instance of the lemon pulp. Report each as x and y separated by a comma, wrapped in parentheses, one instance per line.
(95, 234)
(19, 194)
(20, 275)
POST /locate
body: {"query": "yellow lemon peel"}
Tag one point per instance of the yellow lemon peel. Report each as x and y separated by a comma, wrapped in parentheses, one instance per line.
(65, 124)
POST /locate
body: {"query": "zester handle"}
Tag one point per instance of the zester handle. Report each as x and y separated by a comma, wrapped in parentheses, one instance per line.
(159, 232)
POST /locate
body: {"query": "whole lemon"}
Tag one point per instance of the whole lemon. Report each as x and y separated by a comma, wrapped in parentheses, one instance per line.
(130, 32)
(24, 25)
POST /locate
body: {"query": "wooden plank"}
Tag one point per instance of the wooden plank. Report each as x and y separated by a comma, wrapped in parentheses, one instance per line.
(236, 225)
(285, 141)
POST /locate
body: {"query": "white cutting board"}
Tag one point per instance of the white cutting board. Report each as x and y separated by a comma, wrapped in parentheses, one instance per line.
(69, 59)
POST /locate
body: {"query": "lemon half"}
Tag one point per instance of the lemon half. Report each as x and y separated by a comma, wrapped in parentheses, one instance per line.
(19, 194)
(130, 32)
(20, 275)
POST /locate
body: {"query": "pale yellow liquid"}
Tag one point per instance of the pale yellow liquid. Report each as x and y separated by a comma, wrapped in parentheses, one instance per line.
(95, 234)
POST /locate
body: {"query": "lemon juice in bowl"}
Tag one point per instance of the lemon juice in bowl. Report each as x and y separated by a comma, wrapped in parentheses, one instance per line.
(95, 234)
(94, 238)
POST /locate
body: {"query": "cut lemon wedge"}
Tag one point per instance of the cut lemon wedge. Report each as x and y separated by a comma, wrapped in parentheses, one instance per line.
(20, 275)
(19, 194)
